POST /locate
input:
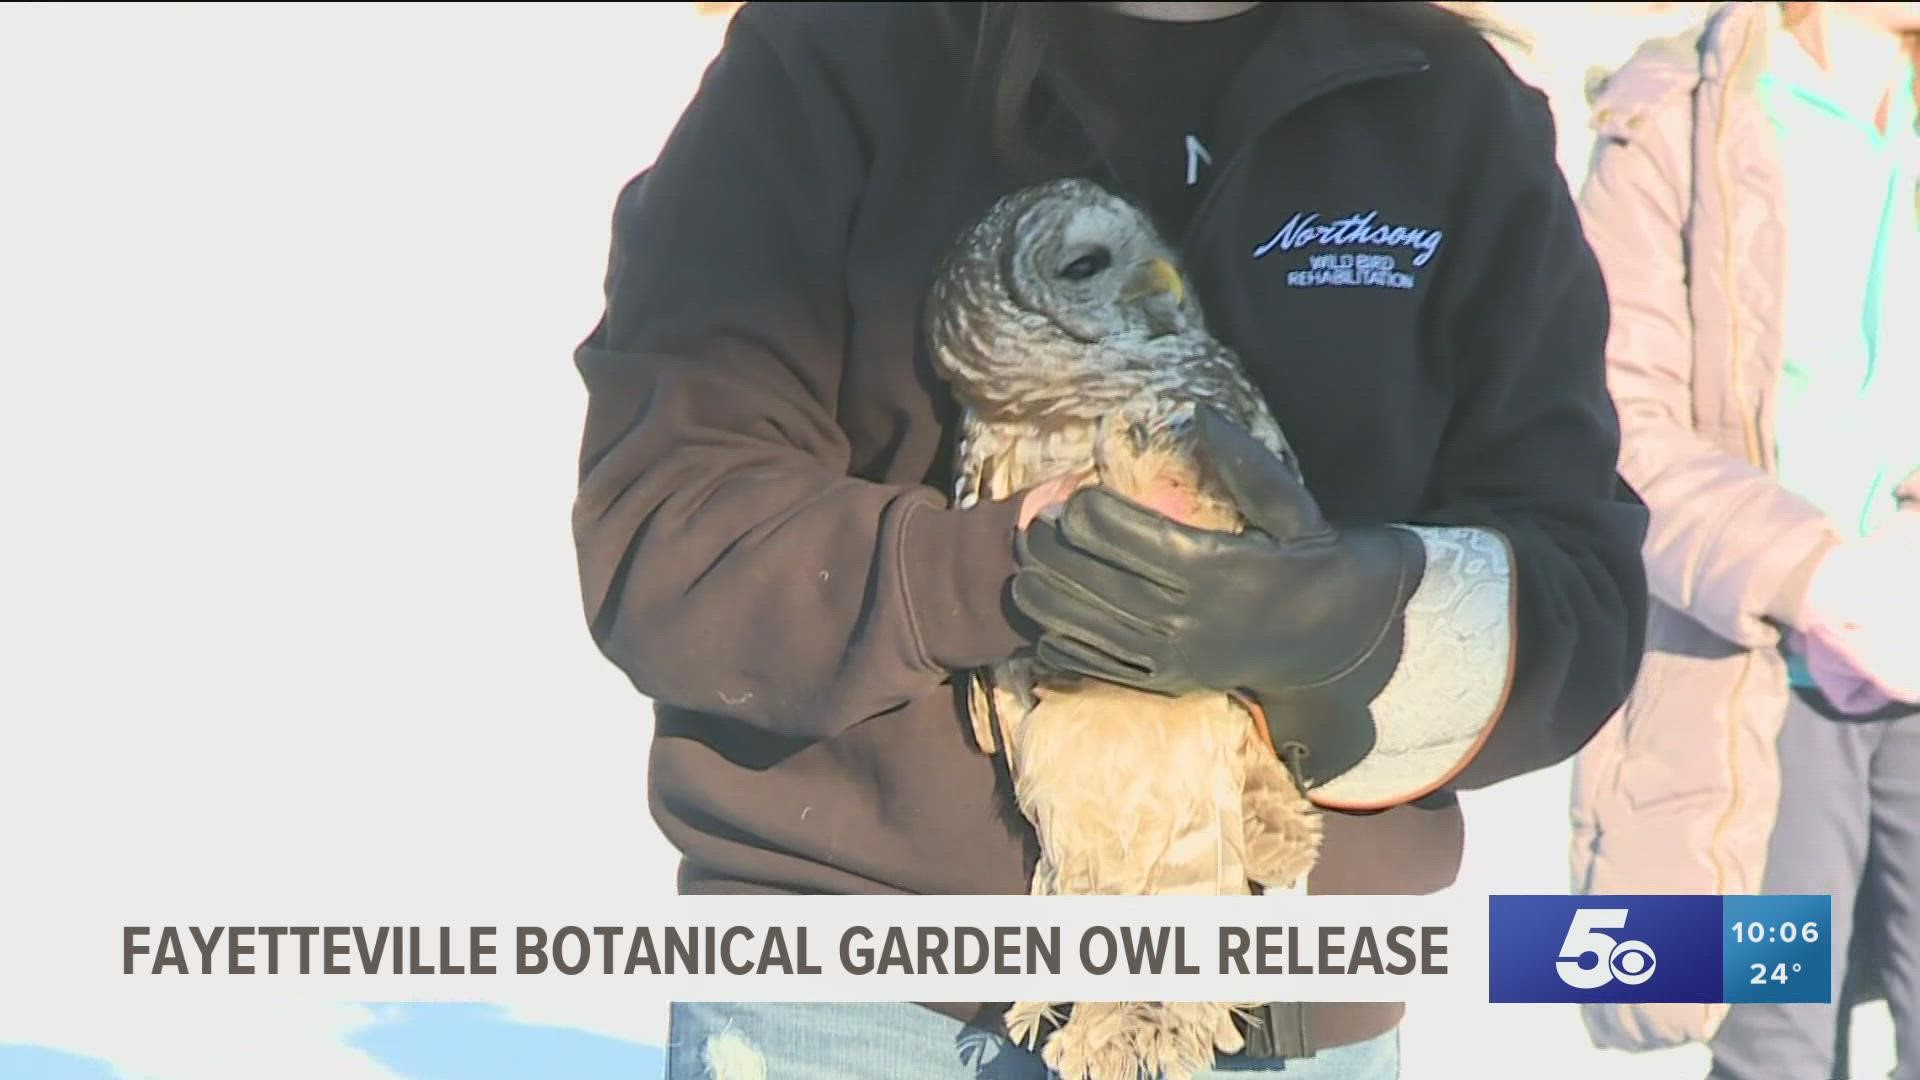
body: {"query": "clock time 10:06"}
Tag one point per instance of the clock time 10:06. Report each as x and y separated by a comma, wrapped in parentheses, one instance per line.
(1756, 932)
(1759, 933)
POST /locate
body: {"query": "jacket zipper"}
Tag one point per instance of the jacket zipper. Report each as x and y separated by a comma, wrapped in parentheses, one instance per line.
(1332, 82)
(1750, 428)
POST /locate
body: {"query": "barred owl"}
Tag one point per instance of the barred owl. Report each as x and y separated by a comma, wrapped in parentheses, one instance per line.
(1074, 348)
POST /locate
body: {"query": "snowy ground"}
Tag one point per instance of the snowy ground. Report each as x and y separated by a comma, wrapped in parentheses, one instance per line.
(291, 292)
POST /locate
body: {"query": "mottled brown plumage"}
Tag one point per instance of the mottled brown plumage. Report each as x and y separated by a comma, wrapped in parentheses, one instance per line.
(1074, 349)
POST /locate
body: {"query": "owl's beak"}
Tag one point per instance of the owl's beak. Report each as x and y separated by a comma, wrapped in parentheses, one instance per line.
(1156, 277)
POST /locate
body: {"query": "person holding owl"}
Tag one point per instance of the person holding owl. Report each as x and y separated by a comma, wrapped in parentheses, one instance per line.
(1365, 200)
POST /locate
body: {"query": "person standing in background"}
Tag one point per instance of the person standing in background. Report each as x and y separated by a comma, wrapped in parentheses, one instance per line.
(1752, 199)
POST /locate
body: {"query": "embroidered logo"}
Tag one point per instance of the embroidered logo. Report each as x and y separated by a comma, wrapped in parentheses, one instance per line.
(1353, 269)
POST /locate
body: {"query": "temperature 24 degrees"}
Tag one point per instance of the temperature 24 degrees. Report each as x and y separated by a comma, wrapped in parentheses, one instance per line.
(1777, 949)
(1783, 933)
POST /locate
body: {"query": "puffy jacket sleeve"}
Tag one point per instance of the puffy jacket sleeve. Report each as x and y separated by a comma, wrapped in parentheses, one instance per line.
(1727, 544)
(728, 561)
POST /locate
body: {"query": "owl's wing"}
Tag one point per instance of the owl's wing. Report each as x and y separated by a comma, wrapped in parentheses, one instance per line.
(1266, 429)
(1245, 401)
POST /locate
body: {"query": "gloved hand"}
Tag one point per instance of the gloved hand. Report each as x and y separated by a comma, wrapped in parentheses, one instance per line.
(1841, 674)
(1861, 629)
(1301, 615)
(1841, 591)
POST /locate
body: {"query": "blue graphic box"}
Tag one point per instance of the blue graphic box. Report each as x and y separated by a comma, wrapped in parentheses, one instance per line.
(1622, 949)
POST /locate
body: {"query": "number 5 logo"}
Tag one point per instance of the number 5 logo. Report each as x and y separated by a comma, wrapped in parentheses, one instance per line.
(1629, 961)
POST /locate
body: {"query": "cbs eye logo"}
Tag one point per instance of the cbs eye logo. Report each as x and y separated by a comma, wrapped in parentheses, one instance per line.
(1630, 962)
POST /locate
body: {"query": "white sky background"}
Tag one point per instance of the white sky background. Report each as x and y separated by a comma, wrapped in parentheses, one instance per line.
(289, 423)
(288, 417)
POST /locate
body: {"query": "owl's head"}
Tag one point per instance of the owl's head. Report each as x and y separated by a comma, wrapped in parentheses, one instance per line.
(1088, 261)
(1056, 265)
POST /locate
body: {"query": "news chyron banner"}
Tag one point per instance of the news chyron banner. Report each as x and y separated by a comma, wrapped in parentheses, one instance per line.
(838, 948)
(1448, 948)
(1660, 949)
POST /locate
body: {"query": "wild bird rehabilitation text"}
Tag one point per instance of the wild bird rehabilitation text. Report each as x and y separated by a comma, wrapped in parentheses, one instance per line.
(1360, 949)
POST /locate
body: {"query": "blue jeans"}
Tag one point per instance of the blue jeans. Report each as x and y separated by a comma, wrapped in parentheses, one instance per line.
(867, 1041)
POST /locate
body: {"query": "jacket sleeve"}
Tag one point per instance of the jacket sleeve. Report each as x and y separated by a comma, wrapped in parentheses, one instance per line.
(1525, 633)
(1727, 544)
(728, 561)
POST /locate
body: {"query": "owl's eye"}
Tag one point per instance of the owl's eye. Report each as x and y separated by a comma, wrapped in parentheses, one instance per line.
(1087, 265)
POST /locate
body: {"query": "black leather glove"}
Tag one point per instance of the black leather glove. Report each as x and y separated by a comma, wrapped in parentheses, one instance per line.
(1304, 617)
